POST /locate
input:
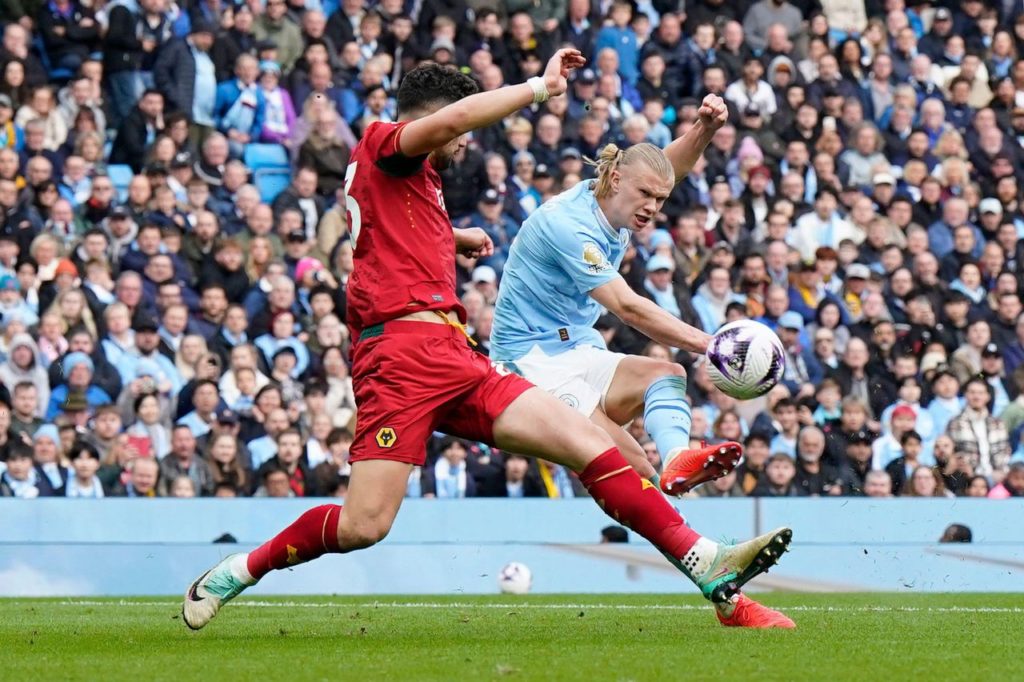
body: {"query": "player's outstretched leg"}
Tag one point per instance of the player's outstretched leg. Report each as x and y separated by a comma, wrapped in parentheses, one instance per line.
(727, 611)
(375, 494)
(718, 570)
(313, 534)
(659, 390)
(667, 420)
(538, 424)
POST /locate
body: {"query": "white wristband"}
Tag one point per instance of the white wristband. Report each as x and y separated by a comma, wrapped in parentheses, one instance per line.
(540, 90)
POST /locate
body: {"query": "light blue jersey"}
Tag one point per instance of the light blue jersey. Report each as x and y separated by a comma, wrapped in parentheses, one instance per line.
(565, 250)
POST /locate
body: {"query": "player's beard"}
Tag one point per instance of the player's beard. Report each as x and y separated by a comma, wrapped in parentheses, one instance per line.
(441, 160)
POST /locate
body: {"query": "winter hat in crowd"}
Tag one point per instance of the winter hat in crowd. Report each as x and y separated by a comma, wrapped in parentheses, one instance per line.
(306, 265)
(9, 283)
(47, 431)
(66, 267)
(904, 411)
(749, 150)
(484, 273)
(660, 238)
(268, 66)
(72, 360)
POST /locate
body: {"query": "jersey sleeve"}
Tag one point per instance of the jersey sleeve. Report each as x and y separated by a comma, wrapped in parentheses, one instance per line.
(576, 252)
(381, 140)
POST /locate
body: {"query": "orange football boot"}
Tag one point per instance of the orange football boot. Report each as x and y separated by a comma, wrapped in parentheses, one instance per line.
(747, 613)
(688, 469)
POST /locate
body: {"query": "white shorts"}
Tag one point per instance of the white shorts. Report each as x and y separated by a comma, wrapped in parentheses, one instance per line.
(580, 377)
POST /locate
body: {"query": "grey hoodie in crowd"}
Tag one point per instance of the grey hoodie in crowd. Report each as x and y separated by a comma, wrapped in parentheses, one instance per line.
(11, 375)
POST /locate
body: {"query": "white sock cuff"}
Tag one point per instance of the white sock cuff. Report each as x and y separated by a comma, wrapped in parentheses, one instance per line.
(239, 567)
(700, 558)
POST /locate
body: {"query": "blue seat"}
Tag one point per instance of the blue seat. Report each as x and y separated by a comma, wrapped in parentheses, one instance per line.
(121, 175)
(59, 75)
(261, 156)
(271, 182)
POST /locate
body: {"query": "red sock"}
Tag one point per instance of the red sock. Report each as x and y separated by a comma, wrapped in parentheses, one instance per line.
(637, 503)
(313, 534)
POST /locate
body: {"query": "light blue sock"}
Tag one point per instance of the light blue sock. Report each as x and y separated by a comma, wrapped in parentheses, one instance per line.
(667, 414)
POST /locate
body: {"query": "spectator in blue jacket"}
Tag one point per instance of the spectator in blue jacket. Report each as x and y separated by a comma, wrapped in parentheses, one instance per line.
(78, 372)
(620, 37)
(241, 106)
(502, 229)
(802, 368)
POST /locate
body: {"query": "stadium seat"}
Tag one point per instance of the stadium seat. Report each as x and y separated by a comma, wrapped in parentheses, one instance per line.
(121, 175)
(271, 182)
(266, 156)
(57, 75)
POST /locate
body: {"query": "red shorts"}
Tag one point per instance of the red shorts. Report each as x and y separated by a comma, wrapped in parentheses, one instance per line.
(419, 377)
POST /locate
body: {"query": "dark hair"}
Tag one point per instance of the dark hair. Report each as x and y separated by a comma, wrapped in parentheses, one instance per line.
(79, 447)
(783, 403)
(173, 118)
(758, 437)
(208, 286)
(138, 401)
(909, 436)
(151, 91)
(614, 534)
(826, 303)
(337, 435)
(429, 84)
(290, 431)
(980, 382)
(23, 385)
(19, 449)
(273, 469)
(205, 382)
(957, 532)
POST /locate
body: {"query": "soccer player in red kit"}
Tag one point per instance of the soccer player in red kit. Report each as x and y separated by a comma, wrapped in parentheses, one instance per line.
(414, 372)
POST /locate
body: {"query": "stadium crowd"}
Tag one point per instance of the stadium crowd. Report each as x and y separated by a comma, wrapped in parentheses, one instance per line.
(174, 246)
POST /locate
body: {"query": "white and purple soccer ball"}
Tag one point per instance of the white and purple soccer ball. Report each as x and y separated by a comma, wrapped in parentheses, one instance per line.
(745, 359)
(515, 578)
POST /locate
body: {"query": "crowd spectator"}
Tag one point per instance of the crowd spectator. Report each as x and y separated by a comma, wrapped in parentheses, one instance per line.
(181, 315)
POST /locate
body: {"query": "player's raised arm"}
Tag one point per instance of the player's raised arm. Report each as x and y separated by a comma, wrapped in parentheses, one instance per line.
(684, 151)
(646, 316)
(437, 129)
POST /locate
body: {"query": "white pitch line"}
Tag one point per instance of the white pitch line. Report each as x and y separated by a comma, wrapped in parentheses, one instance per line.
(526, 606)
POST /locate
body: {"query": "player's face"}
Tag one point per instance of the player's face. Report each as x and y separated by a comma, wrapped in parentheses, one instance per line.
(641, 192)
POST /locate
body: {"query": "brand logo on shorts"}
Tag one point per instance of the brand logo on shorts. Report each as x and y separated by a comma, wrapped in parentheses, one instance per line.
(563, 334)
(570, 400)
(386, 437)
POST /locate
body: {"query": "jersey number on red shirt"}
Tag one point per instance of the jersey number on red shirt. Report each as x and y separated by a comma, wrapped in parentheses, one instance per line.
(355, 216)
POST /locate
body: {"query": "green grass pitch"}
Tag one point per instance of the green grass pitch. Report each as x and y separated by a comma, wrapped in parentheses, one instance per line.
(567, 637)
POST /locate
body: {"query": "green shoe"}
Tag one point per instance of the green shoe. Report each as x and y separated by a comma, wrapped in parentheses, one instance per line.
(209, 592)
(736, 565)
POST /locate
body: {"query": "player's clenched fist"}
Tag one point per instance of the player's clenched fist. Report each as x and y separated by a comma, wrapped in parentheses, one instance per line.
(713, 113)
(473, 242)
(556, 73)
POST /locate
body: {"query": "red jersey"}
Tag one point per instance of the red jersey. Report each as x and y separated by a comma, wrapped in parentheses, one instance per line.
(404, 249)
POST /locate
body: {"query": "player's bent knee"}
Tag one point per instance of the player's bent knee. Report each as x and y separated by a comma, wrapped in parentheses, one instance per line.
(363, 532)
(667, 369)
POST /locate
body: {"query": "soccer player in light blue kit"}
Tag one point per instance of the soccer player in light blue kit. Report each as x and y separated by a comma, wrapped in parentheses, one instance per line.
(563, 270)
